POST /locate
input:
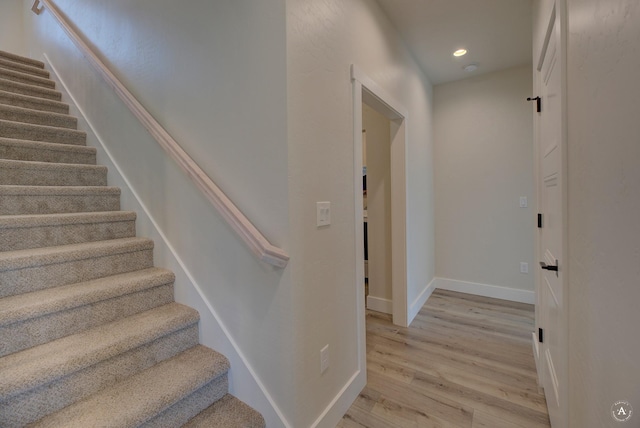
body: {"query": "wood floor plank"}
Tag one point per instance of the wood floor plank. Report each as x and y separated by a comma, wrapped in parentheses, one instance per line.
(429, 363)
(367, 399)
(429, 406)
(486, 420)
(502, 407)
(466, 361)
(360, 418)
(377, 363)
(526, 395)
(426, 340)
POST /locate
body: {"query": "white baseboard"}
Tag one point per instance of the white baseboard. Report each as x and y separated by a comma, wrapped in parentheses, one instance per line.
(419, 301)
(486, 290)
(379, 304)
(341, 402)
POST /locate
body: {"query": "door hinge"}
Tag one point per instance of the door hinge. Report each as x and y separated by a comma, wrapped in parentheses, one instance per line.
(540, 335)
(539, 220)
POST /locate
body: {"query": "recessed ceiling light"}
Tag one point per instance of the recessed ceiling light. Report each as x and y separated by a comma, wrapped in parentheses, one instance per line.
(460, 52)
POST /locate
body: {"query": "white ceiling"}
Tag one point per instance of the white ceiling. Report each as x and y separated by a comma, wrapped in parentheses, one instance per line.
(496, 34)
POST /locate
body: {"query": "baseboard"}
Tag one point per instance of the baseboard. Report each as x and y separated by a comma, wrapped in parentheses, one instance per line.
(486, 290)
(243, 381)
(419, 301)
(379, 304)
(341, 402)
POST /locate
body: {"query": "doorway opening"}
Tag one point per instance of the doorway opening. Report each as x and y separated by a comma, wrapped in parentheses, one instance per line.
(368, 92)
(376, 193)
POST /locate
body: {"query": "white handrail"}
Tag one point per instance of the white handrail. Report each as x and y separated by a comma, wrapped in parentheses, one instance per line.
(248, 232)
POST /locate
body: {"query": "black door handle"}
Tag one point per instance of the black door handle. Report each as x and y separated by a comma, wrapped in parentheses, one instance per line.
(545, 266)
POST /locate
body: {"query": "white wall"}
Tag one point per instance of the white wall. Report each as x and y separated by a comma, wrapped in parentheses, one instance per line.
(214, 74)
(324, 38)
(379, 208)
(604, 201)
(11, 27)
(484, 164)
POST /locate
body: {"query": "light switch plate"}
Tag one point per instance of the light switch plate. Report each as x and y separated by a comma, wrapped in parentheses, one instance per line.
(323, 215)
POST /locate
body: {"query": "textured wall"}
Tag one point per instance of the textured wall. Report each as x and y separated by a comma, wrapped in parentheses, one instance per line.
(11, 27)
(324, 37)
(484, 163)
(604, 201)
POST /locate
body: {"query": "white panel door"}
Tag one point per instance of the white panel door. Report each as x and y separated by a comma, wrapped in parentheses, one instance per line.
(552, 298)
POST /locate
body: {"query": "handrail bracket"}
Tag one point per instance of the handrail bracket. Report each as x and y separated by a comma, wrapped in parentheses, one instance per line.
(37, 8)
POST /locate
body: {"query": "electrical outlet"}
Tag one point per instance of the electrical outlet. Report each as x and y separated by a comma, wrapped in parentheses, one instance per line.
(523, 202)
(524, 267)
(324, 359)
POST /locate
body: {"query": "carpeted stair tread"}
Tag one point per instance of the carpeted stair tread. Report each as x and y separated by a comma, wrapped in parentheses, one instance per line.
(31, 319)
(228, 412)
(11, 260)
(24, 271)
(136, 400)
(38, 151)
(34, 404)
(44, 220)
(25, 115)
(31, 102)
(23, 68)
(41, 365)
(15, 200)
(20, 232)
(21, 59)
(50, 134)
(26, 78)
(29, 173)
(31, 90)
(22, 307)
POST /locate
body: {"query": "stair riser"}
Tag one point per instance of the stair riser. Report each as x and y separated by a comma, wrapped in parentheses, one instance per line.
(35, 404)
(35, 278)
(37, 118)
(30, 132)
(54, 326)
(23, 68)
(187, 408)
(24, 238)
(40, 153)
(32, 91)
(24, 101)
(34, 176)
(52, 204)
(27, 79)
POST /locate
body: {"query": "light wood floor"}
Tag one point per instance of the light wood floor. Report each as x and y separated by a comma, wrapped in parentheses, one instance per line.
(465, 361)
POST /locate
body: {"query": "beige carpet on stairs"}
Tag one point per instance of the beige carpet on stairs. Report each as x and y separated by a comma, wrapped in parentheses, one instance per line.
(90, 335)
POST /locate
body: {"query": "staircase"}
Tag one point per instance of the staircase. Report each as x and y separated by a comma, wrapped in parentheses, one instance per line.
(90, 335)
